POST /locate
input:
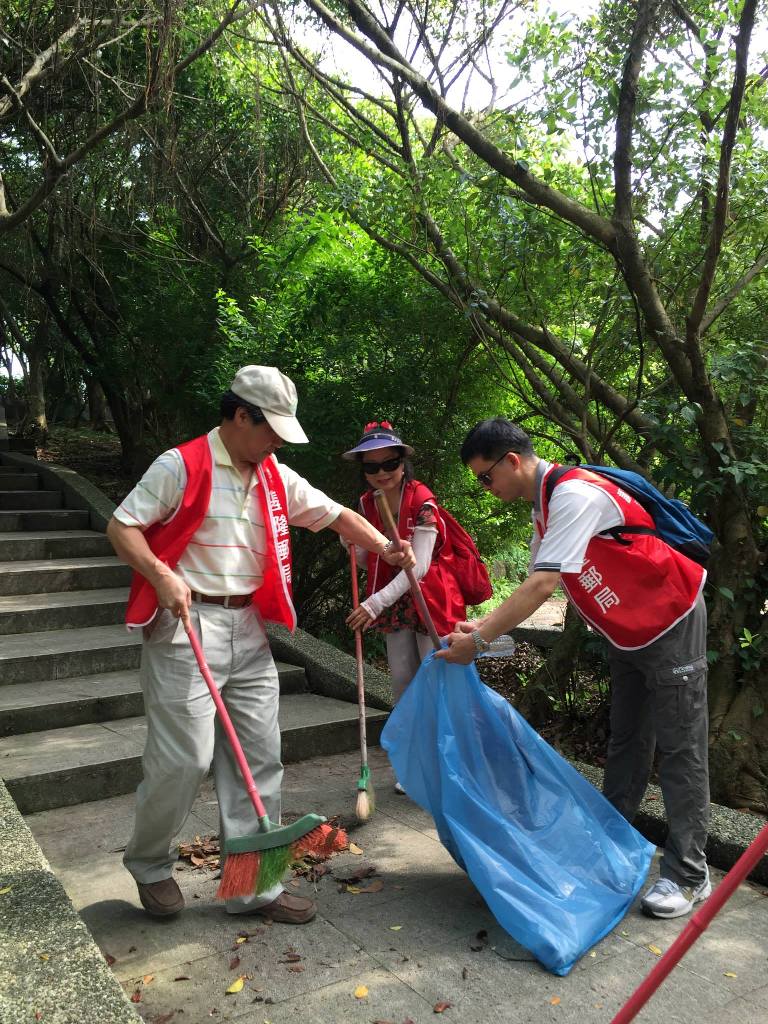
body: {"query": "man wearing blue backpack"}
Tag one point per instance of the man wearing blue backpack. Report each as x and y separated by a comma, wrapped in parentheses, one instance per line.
(624, 569)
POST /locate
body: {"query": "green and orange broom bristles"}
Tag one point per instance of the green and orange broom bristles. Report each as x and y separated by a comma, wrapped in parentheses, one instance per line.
(256, 863)
(365, 796)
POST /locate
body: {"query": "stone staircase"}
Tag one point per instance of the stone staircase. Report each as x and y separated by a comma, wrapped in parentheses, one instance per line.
(71, 723)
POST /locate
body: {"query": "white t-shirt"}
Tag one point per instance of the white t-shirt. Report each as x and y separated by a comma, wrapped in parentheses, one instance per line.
(578, 511)
(226, 553)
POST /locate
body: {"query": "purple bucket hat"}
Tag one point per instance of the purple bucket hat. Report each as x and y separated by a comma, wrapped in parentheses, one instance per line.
(377, 435)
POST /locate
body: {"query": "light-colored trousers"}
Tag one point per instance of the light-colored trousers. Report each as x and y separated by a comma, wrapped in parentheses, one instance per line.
(406, 649)
(184, 735)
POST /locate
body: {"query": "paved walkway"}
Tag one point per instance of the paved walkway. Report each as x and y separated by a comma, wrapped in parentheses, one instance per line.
(420, 938)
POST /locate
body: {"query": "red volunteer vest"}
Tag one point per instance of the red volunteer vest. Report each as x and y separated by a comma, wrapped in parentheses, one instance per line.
(169, 540)
(632, 592)
(441, 591)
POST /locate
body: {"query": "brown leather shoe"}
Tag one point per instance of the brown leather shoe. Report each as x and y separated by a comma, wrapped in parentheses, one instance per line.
(287, 909)
(161, 899)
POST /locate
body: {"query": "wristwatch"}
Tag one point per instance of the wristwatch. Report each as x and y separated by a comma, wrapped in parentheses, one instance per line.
(481, 646)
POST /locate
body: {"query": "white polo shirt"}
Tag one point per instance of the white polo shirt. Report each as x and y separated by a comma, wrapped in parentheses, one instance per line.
(226, 552)
(578, 512)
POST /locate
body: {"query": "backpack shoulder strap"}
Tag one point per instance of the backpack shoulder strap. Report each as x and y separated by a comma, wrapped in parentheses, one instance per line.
(554, 477)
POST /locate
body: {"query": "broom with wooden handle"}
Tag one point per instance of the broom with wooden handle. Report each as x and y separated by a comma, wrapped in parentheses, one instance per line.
(365, 796)
(390, 529)
(256, 863)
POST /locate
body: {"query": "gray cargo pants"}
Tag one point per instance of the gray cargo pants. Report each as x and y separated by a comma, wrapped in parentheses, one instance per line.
(659, 700)
(183, 734)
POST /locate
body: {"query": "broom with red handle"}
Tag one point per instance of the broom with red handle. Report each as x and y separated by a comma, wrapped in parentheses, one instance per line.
(698, 924)
(390, 529)
(256, 863)
(365, 802)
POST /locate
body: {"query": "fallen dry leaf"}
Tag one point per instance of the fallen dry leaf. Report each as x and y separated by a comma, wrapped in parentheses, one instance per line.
(654, 949)
(361, 992)
(5, 889)
(44, 956)
(441, 1007)
(364, 871)
(236, 986)
(395, 927)
(163, 1018)
(379, 1021)
(182, 977)
(296, 968)
(354, 848)
(110, 959)
(290, 958)
(729, 974)
(241, 939)
(148, 979)
(464, 973)
(354, 889)
(554, 1001)
(234, 963)
(136, 997)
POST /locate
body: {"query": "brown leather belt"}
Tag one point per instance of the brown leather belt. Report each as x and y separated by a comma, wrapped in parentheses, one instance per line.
(228, 600)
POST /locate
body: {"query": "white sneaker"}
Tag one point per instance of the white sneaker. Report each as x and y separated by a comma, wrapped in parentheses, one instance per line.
(399, 789)
(667, 899)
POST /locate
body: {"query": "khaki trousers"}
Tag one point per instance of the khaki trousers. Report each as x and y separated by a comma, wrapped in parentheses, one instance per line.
(184, 735)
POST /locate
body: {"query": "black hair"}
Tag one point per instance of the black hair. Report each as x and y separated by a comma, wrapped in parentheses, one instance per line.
(230, 403)
(408, 473)
(492, 438)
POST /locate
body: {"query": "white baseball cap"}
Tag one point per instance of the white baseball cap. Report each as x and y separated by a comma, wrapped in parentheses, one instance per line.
(273, 393)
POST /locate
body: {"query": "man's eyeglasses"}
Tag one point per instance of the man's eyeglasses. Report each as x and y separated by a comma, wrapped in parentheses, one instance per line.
(372, 468)
(485, 478)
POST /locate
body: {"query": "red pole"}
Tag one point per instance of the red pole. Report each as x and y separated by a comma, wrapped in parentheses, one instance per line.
(698, 924)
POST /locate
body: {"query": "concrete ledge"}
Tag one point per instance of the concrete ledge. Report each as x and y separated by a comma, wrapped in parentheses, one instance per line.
(329, 671)
(730, 831)
(539, 636)
(50, 967)
(78, 492)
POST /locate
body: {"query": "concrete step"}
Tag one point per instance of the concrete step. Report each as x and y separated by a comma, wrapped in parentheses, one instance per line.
(90, 762)
(80, 700)
(30, 613)
(55, 519)
(17, 545)
(31, 500)
(19, 482)
(54, 575)
(62, 653)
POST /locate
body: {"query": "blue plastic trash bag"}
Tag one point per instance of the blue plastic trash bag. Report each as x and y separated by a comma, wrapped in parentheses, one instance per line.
(555, 862)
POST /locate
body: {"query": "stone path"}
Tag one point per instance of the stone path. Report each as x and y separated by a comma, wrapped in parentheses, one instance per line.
(409, 944)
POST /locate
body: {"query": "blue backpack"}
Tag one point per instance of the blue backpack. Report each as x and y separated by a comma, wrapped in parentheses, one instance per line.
(675, 524)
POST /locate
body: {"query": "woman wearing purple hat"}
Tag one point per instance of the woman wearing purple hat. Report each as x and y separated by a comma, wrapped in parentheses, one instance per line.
(388, 606)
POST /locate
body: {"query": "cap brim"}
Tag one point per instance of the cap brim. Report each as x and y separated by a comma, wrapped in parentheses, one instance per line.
(288, 428)
(372, 444)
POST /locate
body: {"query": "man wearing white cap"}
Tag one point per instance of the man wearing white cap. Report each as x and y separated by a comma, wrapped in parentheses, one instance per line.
(206, 531)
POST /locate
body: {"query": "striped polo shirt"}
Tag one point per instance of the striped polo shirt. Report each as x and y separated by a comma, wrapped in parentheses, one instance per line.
(226, 553)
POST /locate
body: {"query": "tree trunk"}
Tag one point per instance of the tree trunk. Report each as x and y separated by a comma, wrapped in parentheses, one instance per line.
(36, 425)
(553, 678)
(97, 405)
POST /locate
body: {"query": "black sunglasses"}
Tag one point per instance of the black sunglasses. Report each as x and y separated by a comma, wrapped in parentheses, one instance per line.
(485, 478)
(372, 468)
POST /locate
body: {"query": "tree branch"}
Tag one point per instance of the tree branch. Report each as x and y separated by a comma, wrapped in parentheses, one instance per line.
(714, 245)
(387, 55)
(622, 157)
